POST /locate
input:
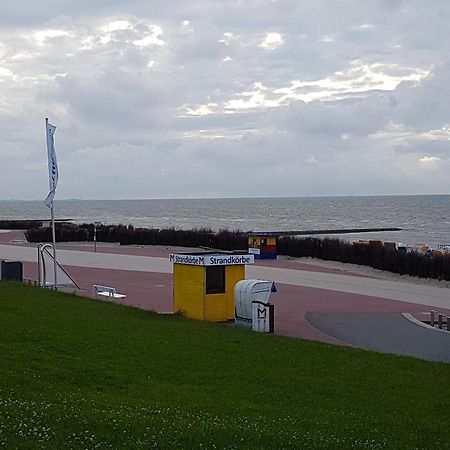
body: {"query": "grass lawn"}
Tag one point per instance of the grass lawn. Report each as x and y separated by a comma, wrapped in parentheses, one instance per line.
(78, 373)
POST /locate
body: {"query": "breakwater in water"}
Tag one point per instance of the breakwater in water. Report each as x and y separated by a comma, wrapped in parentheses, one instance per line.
(317, 232)
(422, 219)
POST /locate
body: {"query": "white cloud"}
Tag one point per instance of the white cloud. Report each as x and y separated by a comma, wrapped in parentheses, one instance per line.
(228, 38)
(398, 134)
(117, 25)
(272, 41)
(429, 159)
(42, 36)
(4, 72)
(22, 56)
(366, 27)
(105, 39)
(151, 39)
(359, 78)
(202, 110)
(442, 134)
(327, 38)
(255, 98)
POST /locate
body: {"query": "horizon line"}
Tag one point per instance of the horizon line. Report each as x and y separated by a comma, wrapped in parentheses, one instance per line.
(228, 198)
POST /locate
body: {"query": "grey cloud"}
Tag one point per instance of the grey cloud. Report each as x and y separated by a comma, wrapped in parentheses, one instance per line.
(426, 107)
(114, 98)
(122, 107)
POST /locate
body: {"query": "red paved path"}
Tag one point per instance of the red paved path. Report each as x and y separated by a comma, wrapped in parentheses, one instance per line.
(153, 291)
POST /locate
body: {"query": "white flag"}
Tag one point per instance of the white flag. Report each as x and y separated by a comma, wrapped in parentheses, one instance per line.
(52, 164)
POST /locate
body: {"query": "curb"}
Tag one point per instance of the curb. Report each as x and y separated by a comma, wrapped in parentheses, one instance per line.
(411, 318)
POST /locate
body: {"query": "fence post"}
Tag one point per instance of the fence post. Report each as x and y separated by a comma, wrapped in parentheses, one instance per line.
(432, 317)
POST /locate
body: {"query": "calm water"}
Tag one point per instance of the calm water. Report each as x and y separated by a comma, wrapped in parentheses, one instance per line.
(425, 219)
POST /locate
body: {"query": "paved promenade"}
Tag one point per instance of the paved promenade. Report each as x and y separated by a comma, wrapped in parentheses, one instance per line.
(145, 275)
(392, 290)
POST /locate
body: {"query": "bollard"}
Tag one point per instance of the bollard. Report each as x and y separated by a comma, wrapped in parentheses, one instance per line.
(440, 321)
(448, 323)
(432, 317)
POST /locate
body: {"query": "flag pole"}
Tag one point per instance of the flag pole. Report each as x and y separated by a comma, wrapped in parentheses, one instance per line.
(53, 223)
(54, 248)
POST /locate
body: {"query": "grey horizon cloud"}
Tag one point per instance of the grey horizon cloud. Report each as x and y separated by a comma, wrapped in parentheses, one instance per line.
(254, 98)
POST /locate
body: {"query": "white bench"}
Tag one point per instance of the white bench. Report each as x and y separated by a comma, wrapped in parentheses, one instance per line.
(108, 292)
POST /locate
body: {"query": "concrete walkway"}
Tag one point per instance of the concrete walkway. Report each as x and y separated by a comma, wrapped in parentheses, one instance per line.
(392, 290)
(385, 332)
(93, 260)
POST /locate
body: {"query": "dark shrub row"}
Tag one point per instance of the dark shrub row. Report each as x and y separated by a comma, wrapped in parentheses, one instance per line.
(65, 232)
(376, 256)
(19, 224)
(128, 235)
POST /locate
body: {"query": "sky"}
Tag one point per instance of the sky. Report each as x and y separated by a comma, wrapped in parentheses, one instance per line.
(232, 98)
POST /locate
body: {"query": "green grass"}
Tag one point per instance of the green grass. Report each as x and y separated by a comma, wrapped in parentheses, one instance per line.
(77, 373)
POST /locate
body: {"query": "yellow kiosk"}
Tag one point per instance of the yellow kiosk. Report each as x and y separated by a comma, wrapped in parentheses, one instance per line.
(203, 283)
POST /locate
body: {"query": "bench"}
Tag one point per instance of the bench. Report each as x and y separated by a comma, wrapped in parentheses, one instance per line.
(108, 292)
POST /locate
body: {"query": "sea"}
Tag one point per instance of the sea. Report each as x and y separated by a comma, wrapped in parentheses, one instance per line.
(424, 219)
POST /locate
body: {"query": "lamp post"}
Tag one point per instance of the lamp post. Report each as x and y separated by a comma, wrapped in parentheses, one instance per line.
(96, 225)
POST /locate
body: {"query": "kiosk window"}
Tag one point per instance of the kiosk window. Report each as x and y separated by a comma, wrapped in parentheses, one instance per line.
(215, 279)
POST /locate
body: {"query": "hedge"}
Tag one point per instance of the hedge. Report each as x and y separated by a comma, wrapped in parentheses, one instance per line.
(373, 255)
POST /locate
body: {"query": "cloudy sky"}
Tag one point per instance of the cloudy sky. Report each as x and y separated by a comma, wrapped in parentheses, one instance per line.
(231, 98)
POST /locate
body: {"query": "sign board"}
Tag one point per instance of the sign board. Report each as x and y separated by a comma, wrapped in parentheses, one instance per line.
(254, 251)
(215, 259)
(262, 317)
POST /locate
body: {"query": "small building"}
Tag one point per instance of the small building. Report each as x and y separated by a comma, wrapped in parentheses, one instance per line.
(263, 245)
(203, 283)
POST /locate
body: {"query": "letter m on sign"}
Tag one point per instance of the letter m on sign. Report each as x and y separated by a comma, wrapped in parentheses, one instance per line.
(262, 313)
